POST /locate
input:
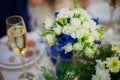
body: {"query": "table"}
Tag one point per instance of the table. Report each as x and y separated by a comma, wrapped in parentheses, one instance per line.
(10, 74)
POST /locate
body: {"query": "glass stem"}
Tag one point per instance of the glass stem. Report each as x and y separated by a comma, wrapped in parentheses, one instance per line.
(23, 63)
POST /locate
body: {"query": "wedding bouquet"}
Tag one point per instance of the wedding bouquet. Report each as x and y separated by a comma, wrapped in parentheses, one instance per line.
(73, 30)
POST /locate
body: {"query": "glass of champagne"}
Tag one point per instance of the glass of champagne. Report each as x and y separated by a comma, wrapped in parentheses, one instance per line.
(17, 37)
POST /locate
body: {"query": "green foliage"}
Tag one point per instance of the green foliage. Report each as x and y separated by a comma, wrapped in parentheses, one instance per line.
(48, 74)
(105, 51)
(46, 32)
(83, 67)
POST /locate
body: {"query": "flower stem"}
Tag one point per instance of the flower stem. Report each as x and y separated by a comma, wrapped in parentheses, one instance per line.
(76, 4)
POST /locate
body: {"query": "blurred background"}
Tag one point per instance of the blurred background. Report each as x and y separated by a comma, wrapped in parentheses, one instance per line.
(34, 12)
(108, 12)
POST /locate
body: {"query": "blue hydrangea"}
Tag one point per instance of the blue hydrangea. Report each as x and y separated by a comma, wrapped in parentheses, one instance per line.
(56, 13)
(96, 20)
(68, 20)
(64, 39)
(98, 42)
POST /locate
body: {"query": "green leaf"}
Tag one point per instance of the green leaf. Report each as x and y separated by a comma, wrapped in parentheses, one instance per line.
(45, 33)
(76, 5)
(77, 16)
(55, 40)
(65, 21)
(85, 38)
(62, 21)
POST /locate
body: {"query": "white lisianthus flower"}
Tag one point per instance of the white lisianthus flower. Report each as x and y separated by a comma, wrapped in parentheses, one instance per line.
(89, 25)
(68, 29)
(50, 39)
(68, 47)
(58, 29)
(76, 23)
(73, 35)
(101, 75)
(100, 65)
(80, 33)
(84, 13)
(78, 46)
(82, 18)
(48, 23)
(76, 11)
(65, 13)
(88, 51)
(90, 39)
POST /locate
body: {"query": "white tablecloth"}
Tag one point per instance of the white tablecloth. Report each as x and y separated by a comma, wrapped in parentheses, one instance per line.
(43, 61)
(14, 75)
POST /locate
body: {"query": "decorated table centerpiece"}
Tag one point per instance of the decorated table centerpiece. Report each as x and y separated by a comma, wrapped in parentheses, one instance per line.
(75, 33)
(73, 30)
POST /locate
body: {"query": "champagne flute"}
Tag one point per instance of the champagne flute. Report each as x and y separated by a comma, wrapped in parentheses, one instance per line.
(17, 36)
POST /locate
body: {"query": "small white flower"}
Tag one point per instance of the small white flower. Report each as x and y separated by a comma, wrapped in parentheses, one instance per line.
(65, 13)
(68, 47)
(50, 39)
(88, 51)
(80, 33)
(48, 23)
(76, 11)
(90, 39)
(58, 30)
(89, 25)
(84, 13)
(76, 23)
(78, 46)
(100, 64)
(101, 75)
(73, 35)
(68, 29)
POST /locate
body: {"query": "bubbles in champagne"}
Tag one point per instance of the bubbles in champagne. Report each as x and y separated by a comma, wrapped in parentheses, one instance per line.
(17, 37)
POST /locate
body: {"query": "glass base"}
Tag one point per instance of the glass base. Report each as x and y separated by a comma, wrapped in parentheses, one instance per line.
(28, 76)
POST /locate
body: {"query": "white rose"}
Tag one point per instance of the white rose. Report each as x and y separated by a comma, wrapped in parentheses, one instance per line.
(84, 13)
(81, 18)
(80, 33)
(88, 51)
(95, 35)
(68, 47)
(65, 13)
(90, 39)
(86, 25)
(48, 23)
(73, 35)
(76, 23)
(77, 11)
(50, 38)
(68, 29)
(58, 30)
(78, 46)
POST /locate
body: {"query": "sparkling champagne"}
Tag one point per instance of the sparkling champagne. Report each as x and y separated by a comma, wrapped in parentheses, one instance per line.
(17, 37)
